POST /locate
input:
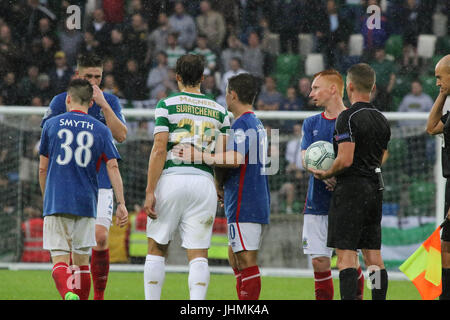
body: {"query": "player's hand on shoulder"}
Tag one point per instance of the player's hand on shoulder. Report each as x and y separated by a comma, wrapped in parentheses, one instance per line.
(149, 205)
(187, 153)
(121, 215)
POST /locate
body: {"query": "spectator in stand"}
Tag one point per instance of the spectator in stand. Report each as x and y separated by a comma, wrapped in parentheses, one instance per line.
(157, 40)
(61, 74)
(332, 30)
(136, 35)
(45, 29)
(90, 45)
(270, 98)
(385, 80)
(10, 54)
(203, 49)
(173, 51)
(209, 87)
(114, 11)
(110, 86)
(411, 30)
(415, 101)
(292, 102)
(253, 57)
(184, 24)
(33, 12)
(304, 89)
(212, 24)
(100, 29)
(28, 86)
(235, 49)
(9, 90)
(288, 13)
(235, 69)
(119, 50)
(374, 37)
(158, 78)
(70, 42)
(133, 86)
(45, 91)
(47, 55)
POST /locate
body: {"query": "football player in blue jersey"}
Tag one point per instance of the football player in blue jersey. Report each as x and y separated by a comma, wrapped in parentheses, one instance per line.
(327, 90)
(107, 109)
(245, 187)
(73, 146)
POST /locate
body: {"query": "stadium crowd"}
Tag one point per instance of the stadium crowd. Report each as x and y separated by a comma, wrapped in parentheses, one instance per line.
(140, 41)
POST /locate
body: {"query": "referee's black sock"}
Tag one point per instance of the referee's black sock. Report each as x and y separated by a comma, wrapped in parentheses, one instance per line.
(348, 282)
(379, 280)
(445, 295)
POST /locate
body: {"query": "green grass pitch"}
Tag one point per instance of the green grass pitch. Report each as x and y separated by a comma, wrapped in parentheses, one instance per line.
(29, 285)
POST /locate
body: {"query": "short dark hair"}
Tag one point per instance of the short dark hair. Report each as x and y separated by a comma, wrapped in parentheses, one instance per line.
(89, 61)
(362, 76)
(81, 91)
(190, 68)
(246, 87)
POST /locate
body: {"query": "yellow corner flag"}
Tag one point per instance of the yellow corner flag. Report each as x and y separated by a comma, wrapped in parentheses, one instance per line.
(424, 267)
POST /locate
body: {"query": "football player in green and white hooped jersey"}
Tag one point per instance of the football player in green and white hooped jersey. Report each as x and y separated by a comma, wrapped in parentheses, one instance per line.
(183, 195)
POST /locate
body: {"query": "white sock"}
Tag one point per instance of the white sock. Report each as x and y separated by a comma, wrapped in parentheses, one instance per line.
(154, 274)
(198, 278)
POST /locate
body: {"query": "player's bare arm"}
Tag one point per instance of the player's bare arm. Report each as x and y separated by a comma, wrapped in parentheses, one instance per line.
(155, 168)
(118, 128)
(116, 181)
(434, 123)
(229, 159)
(343, 160)
(43, 166)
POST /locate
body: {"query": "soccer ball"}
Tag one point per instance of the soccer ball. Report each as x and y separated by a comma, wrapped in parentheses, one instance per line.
(319, 155)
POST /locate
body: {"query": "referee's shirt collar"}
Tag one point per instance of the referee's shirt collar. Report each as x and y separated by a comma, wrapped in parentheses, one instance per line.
(361, 104)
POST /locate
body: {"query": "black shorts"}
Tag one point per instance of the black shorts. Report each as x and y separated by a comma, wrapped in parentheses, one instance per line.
(445, 236)
(354, 219)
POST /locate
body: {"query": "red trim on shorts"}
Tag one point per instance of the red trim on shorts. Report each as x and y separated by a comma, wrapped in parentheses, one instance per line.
(239, 201)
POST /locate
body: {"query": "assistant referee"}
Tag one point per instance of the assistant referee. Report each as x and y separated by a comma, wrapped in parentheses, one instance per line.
(360, 140)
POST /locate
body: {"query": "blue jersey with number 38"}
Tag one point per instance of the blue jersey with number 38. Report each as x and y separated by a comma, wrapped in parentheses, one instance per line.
(76, 144)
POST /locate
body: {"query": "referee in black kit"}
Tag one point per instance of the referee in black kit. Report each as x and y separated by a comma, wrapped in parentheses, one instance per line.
(361, 138)
(437, 124)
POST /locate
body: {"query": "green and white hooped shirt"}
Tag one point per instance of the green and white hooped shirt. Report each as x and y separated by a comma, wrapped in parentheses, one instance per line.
(192, 119)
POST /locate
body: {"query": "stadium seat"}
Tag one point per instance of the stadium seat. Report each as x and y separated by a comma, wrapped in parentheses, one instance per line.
(394, 46)
(314, 63)
(440, 22)
(426, 45)
(288, 64)
(283, 82)
(305, 43)
(273, 44)
(356, 44)
(429, 86)
(443, 45)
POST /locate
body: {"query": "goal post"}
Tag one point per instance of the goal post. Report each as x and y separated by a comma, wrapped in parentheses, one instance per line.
(413, 197)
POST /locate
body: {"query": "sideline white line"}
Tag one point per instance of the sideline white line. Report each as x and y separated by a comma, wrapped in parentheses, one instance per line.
(267, 272)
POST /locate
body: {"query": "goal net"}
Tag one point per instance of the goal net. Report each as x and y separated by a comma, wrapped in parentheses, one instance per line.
(413, 197)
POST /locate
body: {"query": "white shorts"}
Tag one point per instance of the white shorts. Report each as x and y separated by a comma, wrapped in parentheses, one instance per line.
(105, 206)
(64, 233)
(315, 232)
(187, 203)
(244, 236)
